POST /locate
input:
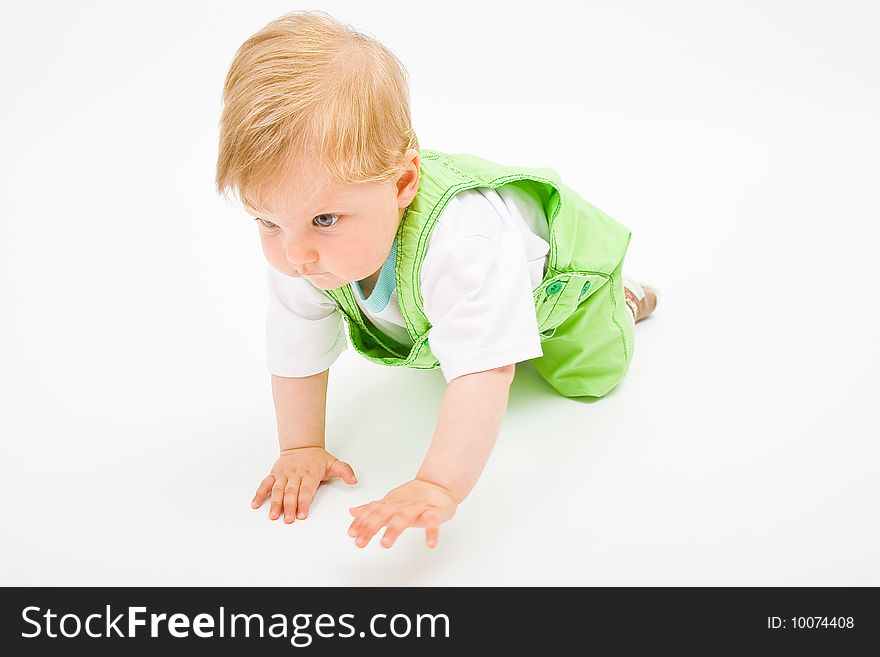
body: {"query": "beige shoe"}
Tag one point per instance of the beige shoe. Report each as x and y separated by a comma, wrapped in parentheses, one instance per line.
(640, 298)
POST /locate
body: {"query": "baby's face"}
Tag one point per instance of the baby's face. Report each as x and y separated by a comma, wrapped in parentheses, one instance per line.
(330, 234)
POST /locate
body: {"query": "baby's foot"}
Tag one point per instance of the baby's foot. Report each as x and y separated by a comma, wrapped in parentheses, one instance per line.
(640, 298)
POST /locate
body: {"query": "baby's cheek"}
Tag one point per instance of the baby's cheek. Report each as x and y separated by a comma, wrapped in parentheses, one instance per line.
(278, 261)
(282, 266)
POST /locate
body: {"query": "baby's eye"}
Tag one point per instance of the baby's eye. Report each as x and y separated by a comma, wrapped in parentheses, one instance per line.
(267, 224)
(326, 220)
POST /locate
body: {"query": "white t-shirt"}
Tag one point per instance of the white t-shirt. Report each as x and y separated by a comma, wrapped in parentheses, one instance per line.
(486, 255)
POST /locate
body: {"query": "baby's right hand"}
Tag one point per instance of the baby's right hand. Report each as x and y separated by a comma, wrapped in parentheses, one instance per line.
(295, 477)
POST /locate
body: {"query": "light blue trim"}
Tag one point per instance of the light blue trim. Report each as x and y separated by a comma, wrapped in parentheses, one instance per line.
(385, 284)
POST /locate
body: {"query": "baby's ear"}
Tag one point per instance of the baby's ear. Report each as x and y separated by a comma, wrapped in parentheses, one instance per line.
(408, 182)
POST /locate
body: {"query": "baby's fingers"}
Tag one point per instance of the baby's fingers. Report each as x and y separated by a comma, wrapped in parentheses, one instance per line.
(291, 494)
(431, 523)
(369, 524)
(277, 497)
(360, 513)
(398, 523)
(307, 489)
(342, 470)
(432, 535)
(262, 491)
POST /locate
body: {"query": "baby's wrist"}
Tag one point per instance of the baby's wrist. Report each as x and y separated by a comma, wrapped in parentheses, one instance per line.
(290, 449)
(443, 487)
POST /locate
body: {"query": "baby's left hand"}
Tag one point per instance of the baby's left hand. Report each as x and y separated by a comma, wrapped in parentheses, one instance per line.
(416, 503)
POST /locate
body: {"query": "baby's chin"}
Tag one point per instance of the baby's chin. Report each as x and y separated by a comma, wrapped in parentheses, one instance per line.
(326, 281)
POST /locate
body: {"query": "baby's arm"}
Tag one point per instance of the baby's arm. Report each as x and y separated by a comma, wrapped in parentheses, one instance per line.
(300, 409)
(300, 413)
(470, 419)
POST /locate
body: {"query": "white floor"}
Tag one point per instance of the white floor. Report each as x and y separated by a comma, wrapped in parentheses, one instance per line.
(739, 144)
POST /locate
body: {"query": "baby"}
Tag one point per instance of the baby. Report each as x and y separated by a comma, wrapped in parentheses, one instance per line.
(493, 264)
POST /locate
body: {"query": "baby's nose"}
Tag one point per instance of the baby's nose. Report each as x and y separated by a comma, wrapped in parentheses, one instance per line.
(301, 254)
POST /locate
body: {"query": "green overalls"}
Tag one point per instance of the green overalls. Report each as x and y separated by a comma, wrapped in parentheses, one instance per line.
(586, 331)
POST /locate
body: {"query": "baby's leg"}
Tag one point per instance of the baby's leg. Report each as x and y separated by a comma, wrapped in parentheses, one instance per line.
(640, 299)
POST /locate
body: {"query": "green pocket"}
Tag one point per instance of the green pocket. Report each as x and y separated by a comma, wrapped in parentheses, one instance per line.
(558, 296)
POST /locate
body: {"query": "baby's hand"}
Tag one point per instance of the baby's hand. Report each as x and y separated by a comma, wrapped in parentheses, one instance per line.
(295, 477)
(416, 503)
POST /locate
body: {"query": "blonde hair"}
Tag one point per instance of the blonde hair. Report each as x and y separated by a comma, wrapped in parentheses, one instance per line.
(306, 84)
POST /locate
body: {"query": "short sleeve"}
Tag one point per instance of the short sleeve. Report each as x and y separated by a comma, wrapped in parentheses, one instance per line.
(478, 297)
(304, 328)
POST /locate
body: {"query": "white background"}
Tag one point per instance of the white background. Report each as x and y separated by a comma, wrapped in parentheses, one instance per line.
(739, 142)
